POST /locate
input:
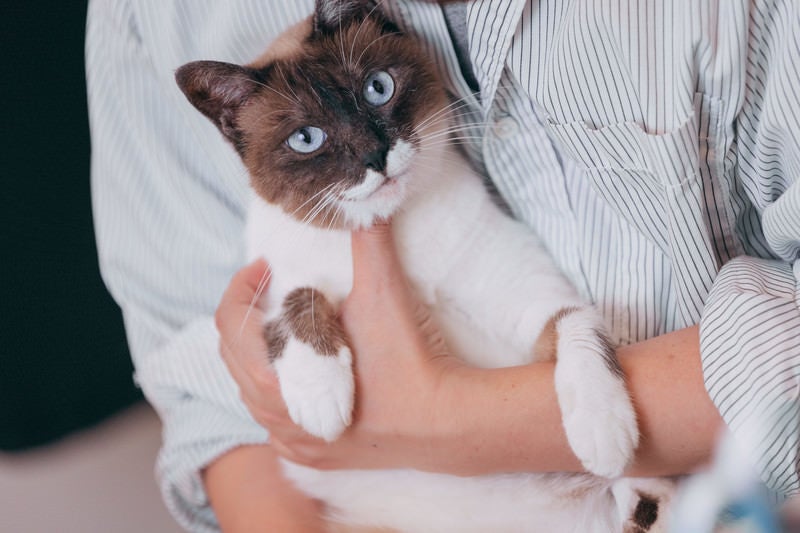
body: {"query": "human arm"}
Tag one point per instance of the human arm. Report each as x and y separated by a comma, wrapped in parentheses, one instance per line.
(678, 423)
(168, 197)
(248, 492)
(418, 408)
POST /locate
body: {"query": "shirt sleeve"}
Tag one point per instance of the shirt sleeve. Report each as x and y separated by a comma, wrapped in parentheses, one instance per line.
(750, 330)
(167, 196)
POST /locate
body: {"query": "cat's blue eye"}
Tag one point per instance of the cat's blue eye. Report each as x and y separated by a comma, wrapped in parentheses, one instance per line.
(306, 140)
(379, 88)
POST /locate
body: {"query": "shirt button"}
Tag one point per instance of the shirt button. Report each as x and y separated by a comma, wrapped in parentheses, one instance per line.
(505, 127)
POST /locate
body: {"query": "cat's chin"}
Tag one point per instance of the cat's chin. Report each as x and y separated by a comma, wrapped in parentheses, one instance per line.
(351, 215)
(377, 207)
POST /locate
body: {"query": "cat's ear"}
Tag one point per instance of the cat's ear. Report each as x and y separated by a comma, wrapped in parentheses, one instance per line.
(218, 90)
(330, 15)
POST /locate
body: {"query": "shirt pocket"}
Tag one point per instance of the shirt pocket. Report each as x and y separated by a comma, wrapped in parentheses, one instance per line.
(659, 185)
(643, 176)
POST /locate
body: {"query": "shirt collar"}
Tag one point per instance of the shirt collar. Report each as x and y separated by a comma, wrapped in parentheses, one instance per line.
(491, 25)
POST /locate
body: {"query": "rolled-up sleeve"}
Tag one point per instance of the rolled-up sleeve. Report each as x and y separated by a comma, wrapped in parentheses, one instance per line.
(167, 200)
(750, 331)
(750, 341)
(203, 418)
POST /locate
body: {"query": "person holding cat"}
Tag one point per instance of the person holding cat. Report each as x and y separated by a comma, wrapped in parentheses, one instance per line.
(666, 197)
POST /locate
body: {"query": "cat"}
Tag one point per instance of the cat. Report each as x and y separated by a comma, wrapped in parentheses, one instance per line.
(343, 123)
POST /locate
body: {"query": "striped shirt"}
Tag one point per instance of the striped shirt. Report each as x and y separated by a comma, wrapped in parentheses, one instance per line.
(652, 145)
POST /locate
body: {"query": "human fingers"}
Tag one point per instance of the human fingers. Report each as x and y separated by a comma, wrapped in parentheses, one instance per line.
(239, 308)
(239, 319)
(381, 293)
(376, 265)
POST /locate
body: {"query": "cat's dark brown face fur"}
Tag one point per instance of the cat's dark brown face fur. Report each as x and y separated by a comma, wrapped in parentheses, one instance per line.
(323, 93)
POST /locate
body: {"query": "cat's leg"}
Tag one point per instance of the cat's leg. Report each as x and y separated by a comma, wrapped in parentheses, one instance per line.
(597, 413)
(643, 503)
(309, 352)
(504, 283)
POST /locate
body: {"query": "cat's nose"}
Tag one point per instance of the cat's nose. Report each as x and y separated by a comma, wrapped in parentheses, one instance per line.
(376, 160)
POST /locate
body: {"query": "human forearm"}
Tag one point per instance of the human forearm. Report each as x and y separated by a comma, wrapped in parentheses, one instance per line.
(420, 409)
(248, 493)
(678, 421)
(511, 419)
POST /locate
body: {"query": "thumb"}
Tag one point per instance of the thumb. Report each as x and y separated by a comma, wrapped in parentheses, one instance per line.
(376, 266)
(382, 296)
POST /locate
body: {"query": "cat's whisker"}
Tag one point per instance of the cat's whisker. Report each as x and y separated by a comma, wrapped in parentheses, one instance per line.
(321, 207)
(453, 141)
(448, 121)
(341, 39)
(312, 198)
(260, 288)
(314, 211)
(467, 130)
(457, 104)
(476, 132)
(313, 316)
(337, 214)
(472, 129)
(454, 106)
(358, 61)
(337, 217)
(279, 93)
(313, 89)
(327, 202)
(283, 76)
(360, 27)
(448, 110)
(448, 134)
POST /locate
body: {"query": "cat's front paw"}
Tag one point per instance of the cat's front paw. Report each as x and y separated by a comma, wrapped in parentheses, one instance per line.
(605, 437)
(598, 415)
(318, 389)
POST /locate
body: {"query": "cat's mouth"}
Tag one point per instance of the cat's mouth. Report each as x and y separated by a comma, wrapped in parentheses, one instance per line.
(374, 186)
(384, 186)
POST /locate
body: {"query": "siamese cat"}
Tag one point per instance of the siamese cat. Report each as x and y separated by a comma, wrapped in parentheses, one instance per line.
(344, 123)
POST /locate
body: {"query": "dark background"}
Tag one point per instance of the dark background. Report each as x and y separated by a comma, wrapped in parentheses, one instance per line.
(64, 363)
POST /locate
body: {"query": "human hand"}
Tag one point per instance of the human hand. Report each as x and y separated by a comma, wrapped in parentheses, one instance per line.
(400, 368)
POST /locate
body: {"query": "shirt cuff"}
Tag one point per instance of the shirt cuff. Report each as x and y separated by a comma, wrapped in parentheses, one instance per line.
(196, 433)
(750, 350)
(203, 416)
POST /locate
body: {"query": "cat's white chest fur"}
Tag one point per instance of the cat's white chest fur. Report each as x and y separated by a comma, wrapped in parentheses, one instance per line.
(298, 254)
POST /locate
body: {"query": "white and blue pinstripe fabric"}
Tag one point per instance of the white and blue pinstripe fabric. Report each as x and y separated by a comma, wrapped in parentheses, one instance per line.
(651, 144)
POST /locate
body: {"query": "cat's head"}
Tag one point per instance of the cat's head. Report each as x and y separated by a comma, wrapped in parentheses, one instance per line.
(329, 121)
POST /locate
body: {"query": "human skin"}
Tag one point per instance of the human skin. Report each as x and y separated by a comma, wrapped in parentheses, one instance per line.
(248, 493)
(421, 408)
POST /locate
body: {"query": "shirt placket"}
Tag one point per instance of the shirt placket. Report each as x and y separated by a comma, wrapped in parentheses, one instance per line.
(518, 152)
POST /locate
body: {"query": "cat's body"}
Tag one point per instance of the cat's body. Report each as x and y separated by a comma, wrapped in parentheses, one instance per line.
(487, 320)
(357, 147)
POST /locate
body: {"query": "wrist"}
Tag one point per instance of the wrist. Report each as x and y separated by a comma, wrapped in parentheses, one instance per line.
(463, 425)
(248, 492)
(501, 420)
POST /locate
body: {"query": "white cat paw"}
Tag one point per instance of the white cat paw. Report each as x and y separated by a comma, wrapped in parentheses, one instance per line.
(605, 437)
(598, 416)
(318, 389)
